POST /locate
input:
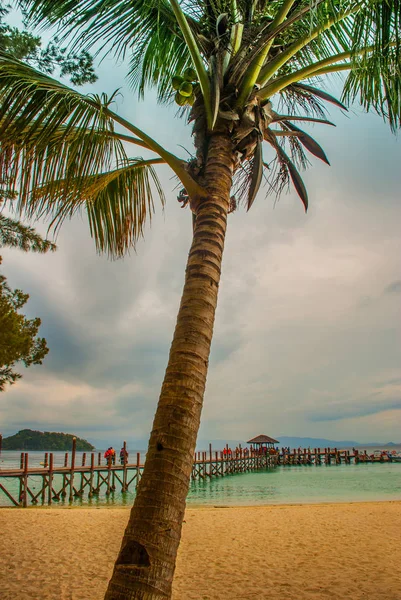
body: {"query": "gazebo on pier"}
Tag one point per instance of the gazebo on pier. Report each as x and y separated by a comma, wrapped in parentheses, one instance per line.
(263, 442)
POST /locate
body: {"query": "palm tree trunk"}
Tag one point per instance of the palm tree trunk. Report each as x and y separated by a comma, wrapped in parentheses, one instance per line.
(145, 566)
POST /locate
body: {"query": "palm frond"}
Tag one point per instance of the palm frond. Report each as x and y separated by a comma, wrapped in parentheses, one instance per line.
(315, 92)
(257, 173)
(309, 143)
(49, 131)
(284, 169)
(106, 22)
(349, 27)
(375, 78)
(154, 62)
(117, 203)
(282, 118)
(145, 31)
(59, 150)
(197, 59)
(295, 100)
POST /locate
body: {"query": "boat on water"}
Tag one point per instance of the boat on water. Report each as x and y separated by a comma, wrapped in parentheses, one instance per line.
(394, 456)
(386, 455)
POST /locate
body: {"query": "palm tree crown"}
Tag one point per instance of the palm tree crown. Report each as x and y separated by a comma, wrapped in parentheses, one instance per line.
(237, 66)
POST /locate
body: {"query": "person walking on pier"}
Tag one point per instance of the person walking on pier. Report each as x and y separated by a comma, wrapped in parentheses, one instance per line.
(110, 455)
(123, 456)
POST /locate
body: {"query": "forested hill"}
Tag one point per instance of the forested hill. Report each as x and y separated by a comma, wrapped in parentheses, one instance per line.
(27, 439)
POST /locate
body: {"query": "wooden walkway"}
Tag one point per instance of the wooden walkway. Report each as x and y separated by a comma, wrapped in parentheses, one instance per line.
(88, 480)
(93, 478)
(326, 456)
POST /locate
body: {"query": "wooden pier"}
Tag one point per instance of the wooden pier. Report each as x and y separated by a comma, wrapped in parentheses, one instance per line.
(227, 462)
(95, 476)
(69, 481)
(327, 456)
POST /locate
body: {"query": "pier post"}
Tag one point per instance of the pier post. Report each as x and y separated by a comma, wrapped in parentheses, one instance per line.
(21, 466)
(99, 463)
(83, 464)
(124, 486)
(44, 479)
(63, 492)
(108, 475)
(210, 453)
(25, 484)
(73, 452)
(90, 493)
(1, 442)
(138, 468)
(50, 480)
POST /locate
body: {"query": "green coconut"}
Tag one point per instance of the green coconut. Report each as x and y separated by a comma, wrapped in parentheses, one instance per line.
(180, 100)
(191, 99)
(186, 89)
(190, 74)
(177, 81)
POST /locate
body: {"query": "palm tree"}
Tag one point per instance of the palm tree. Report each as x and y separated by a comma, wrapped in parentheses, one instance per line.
(237, 69)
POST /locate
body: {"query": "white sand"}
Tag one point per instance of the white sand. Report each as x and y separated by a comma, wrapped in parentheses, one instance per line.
(331, 551)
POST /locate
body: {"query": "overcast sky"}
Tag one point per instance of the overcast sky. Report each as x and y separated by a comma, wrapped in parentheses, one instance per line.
(307, 335)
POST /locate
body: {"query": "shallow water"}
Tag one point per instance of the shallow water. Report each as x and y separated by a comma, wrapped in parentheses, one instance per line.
(303, 484)
(295, 484)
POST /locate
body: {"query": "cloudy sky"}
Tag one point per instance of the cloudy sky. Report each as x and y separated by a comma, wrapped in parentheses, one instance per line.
(307, 335)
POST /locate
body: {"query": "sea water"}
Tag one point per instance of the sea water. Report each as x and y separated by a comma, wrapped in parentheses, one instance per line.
(281, 485)
(302, 484)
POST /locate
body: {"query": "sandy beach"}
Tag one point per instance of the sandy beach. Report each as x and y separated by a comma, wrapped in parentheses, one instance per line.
(302, 552)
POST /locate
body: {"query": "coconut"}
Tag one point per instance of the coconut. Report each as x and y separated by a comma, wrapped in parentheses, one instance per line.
(190, 74)
(177, 81)
(186, 89)
(180, 100)
(191, 99)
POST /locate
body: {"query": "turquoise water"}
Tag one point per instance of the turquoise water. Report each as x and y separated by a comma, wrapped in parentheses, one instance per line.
(302, 484)
(296, 484)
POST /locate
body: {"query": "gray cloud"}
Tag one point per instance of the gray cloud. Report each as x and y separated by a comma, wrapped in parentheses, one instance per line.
(347, 412)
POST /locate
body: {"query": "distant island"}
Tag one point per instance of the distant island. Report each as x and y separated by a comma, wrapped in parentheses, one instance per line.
(27, 439)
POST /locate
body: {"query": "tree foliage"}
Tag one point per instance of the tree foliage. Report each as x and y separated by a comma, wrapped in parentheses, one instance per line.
(24, 45)
(15, 234)
(18, 335)
(28, 439)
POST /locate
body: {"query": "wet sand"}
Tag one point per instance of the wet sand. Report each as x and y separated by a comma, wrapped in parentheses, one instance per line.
(301, 552)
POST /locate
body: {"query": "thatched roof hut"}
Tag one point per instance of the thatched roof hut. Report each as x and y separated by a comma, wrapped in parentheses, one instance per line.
(263, 440)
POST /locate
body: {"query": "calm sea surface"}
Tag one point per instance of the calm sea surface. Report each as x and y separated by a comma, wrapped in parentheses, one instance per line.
(297, 484)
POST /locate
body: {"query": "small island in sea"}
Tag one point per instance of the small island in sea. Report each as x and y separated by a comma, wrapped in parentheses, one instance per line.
(28, 439)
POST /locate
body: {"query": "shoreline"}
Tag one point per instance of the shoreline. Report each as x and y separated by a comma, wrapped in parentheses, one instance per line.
(300, 551)
(204, 506)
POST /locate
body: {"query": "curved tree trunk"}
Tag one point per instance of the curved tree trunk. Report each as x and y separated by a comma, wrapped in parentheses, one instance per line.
(145, 566)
